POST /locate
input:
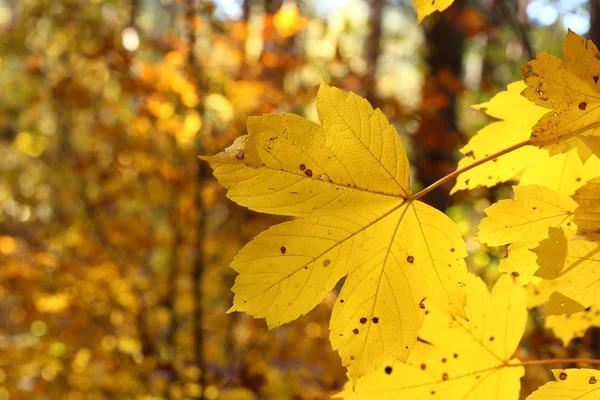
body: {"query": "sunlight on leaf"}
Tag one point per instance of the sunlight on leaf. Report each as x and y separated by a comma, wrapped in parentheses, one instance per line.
(349, 179)
(459, 359)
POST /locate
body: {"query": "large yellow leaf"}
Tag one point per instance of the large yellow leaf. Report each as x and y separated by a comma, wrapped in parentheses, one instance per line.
(570, 384)
(575, 265)
(568, 327)
(525, 218)
(563, 173)
(459, 359)
(349, 180)
(426, 7)
(517, 116)
(587, 215)
(572, 92)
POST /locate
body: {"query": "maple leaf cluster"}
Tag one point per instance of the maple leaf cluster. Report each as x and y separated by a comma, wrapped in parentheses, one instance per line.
(410, 320)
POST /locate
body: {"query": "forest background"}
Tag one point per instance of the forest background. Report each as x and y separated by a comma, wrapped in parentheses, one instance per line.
(115, 239)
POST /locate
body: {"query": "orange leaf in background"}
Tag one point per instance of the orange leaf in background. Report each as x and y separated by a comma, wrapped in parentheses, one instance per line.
(288, 21)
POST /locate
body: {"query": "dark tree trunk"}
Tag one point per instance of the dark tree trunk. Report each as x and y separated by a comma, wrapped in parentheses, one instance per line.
(372, 49)
(439, 135)
(595, 21)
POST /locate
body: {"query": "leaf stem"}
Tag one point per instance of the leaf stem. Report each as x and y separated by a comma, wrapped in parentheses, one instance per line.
(558, 361)
(454, 174)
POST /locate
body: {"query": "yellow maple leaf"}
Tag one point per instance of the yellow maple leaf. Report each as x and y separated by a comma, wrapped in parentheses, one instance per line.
(516, 117)
(587, 215)
(426, 7)
(574, 264)
(573, 383)
(349, 180)
(572, 92)
(568, 327)
(525, 218)
(459, 359)
(563, 173)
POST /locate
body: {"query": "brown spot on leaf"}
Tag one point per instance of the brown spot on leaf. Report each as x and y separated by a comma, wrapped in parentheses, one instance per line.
(595, 78)
(341, 300)
(423, 366)
(283, 250)
(491, 338)
(562, 376)
(302, 167)
(355, 331)
(422, 303)
(582, 106)
(445, 377)
(515, 274)
(388, 370)
(375, 320)
(593, 380)
(326, 262)
(443, 360)
(452, 250)
(308, 173)
(363, 320)
(410, 259)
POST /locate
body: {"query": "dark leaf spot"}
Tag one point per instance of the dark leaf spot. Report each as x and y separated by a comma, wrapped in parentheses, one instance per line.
(423, 366)
(582, 105)
(595, 78)
(355, 331)
(240, 155)
(562, 376)
(341, 300)
(363, 320)
(308, 173)
(491, 338)
(375, 320)
(422, 303)
(283, 250)
(515, 274)
(445, 377)
(326, 262)
(452, 250)
(410, 259)
(433, 392)
(455, 355)
(352, 358)
(388, 370)
(443, 360)
(302, 167)
(593, 380)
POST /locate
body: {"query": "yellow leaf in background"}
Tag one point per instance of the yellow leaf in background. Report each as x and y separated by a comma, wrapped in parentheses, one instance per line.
(53, 302)
(517, 116)
(349, 179)
(525, 218)
(288, 21)
(571, 90)
(587, 215)
(570, 384)
(459, 359)
(575, 265)
(566, 328)
(520, 262)
(426, 7)
(539, 293)
(563, 173)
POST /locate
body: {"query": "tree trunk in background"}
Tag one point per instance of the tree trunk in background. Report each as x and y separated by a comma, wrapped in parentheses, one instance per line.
(372, 50)
(438, 135)
(595, 21)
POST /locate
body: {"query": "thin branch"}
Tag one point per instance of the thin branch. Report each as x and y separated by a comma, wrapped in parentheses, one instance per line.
(454, 174)
(557, 361)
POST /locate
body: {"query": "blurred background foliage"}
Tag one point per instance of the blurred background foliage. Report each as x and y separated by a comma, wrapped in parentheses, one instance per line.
(115, 239)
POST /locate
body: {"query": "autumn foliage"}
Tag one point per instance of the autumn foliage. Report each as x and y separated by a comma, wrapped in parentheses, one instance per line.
(203, 206)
